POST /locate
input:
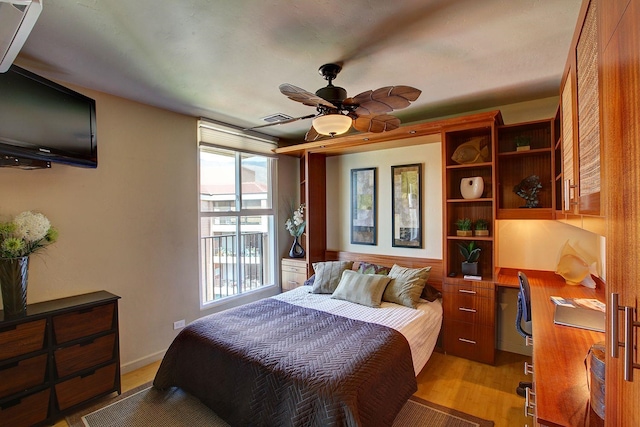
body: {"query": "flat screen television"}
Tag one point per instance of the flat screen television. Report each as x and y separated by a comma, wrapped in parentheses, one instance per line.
(43, 121)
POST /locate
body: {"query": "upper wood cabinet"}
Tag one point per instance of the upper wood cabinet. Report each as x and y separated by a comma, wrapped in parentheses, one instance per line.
(580, 119)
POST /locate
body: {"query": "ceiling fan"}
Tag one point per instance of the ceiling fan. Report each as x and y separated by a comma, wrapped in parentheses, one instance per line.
(336, 113)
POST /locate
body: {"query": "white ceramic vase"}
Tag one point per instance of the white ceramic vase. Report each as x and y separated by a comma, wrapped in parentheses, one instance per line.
(472, 188)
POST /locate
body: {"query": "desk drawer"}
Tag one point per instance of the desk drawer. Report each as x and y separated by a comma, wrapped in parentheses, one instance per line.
(85, 387)
(70, 360)
(471, 341)
(469, 308)
(471, 289)
(22, 339)
(82, 323)
(22, 375)
(27, 411)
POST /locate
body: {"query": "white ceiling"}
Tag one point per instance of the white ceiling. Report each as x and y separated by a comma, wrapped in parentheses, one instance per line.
(224, 59)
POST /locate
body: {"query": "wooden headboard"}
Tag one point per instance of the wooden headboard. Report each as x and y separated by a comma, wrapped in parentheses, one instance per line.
(435, 276)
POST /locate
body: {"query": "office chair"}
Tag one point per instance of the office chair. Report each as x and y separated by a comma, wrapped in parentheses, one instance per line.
(524, 305)
(524, 314)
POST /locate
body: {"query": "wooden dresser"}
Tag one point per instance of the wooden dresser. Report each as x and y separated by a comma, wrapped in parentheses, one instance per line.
(61, 354)
(294, 273)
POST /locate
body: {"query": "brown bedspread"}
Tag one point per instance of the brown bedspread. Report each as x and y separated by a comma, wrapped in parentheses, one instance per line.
(271, 363)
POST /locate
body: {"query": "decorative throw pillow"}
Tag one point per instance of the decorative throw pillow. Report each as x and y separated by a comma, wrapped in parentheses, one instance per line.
(310, 280)
(364, 289)
(368, 268)
(328, 275)
(406, 285)
(430, 293)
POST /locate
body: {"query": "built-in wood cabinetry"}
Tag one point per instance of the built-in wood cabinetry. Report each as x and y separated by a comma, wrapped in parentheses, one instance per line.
(619, 41)
(469, 306)
(294, 273)
(61, 354)
(581, 149)
(514, 165)
(313, 195)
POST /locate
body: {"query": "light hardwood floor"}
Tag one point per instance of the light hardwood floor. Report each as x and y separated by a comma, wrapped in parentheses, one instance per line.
(475, 388)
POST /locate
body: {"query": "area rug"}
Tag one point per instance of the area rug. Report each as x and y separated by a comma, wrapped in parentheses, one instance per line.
(145, 406)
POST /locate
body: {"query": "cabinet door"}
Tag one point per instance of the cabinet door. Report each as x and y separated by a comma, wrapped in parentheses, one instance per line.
(621, 139)
(568, 146)
(588, 103)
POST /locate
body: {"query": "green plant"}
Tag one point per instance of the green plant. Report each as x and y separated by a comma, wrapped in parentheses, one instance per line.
(482, 224)
(470, 251)
(464, 224)
(522, 141)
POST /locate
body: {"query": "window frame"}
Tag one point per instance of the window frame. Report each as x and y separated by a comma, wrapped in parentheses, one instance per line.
(271, 213)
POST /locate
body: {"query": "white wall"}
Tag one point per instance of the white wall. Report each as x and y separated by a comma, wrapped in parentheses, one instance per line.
(339, 199)
(129, 227)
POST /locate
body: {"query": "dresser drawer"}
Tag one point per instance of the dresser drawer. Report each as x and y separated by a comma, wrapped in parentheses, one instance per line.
(82, 323)
(22, 375)
(69, 360)
(471, 341)
(22, 339)
(469, 308)
(85, 387)
(468, 288)
(294, 266)
(27, 411)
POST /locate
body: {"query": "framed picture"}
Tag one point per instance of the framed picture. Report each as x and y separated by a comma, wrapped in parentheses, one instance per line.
(363, 206)
(406, 208)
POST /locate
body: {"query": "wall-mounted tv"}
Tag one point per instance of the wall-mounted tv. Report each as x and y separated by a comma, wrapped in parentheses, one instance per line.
(44, 121)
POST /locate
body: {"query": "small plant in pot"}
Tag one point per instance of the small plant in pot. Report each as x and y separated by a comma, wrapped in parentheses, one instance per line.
(470, 253)
(523, 143)
(482, 227)
(464, 227)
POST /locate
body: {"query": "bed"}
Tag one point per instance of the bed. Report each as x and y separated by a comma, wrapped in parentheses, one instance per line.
(304, 358)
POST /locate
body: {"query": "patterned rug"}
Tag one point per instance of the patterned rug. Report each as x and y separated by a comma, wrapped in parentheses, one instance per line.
(145, 406)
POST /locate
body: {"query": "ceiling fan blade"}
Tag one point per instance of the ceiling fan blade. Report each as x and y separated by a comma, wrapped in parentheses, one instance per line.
(300, 95)
(384, 100)
(312, 135)
(283, 122)
(376, 124)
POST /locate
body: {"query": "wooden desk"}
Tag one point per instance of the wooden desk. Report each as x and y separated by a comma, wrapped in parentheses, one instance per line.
(559, 352)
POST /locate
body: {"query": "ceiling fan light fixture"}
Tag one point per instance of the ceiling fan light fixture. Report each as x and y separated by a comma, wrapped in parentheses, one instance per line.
(332, 124)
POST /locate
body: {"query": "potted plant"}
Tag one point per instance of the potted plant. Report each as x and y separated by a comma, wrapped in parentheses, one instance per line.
(523, 143)
(464, 227)
(471, 253)
(482, 227)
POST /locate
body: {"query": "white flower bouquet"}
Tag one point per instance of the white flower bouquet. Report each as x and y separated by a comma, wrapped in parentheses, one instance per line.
(296, 223)
(27, 233)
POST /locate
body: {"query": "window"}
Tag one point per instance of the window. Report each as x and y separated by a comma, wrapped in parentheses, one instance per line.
(237, 234)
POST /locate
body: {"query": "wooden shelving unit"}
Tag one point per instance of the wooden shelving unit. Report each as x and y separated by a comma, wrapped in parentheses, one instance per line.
(513, 166)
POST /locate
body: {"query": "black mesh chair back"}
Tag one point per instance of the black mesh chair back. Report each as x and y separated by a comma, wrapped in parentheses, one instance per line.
(524, 304)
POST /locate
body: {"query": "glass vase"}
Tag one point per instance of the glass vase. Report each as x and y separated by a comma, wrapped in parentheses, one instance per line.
(14, 273)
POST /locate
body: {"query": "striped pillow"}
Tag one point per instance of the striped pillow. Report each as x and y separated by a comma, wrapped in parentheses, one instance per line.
(328, 275)
(364, 289)
(406, 285)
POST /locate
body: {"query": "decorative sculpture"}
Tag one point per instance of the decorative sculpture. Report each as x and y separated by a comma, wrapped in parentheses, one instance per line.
(528, 189)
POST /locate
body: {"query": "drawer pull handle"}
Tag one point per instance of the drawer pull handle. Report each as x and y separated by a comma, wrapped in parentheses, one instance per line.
(293, 282)
(467, 341)
(468, 310)
(466, 291)
(529, 403)
(88, 374)
(528, 368)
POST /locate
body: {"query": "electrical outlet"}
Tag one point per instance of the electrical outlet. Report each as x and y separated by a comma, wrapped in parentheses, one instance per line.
(179, 324)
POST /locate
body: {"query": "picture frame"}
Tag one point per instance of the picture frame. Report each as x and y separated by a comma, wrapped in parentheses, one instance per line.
(406, 205)
(364, 216)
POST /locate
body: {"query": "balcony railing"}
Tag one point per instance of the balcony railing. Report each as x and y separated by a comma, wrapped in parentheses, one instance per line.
(220, 257)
